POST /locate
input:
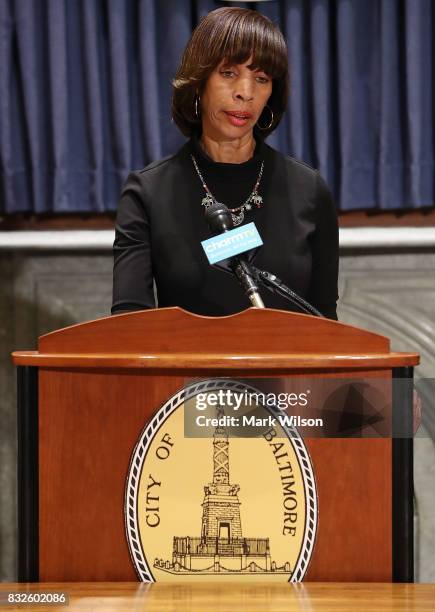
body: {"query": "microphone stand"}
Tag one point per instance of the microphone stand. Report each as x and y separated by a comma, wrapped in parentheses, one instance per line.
(243, 272)
(275, 285)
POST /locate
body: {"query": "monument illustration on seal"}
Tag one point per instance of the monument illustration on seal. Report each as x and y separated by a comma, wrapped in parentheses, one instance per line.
(221, 548)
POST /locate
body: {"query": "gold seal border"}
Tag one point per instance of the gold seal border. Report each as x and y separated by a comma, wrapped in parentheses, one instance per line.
(138, 457)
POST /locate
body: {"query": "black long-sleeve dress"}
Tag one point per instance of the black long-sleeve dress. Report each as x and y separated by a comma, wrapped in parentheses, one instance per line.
(160, 225)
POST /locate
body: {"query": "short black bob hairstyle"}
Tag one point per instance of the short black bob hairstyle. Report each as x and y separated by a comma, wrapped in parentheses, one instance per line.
(234, 35)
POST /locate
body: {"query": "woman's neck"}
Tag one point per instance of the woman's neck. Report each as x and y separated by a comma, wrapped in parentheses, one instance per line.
(234, 151)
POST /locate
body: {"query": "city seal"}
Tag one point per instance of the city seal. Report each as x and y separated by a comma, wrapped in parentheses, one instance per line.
(219, 507)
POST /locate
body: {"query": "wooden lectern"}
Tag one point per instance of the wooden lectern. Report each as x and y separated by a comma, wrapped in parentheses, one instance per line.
(85, 395)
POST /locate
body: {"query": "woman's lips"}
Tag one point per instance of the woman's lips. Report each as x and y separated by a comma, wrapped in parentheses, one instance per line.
(238, 119)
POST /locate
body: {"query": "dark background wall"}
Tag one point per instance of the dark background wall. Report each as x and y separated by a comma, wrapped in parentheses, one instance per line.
(85, 89)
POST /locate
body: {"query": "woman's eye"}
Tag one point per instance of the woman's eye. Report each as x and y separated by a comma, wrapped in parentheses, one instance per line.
(227, 73)
(262, 79)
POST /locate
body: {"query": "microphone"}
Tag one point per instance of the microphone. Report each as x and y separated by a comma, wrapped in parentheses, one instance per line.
(220, 221)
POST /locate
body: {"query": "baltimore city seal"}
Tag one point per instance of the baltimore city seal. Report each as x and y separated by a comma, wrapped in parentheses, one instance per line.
(221, 506)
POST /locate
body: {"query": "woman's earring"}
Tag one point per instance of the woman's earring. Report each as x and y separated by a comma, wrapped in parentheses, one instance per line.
(267, 127)
(197, 101)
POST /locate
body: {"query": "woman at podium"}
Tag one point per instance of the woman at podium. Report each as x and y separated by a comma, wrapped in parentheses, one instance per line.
(230, 92)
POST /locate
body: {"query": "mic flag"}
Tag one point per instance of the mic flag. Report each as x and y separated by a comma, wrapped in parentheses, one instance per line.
(232, 242)
(229, 244)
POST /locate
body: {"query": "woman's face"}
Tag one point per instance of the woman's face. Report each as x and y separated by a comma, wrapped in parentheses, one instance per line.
(233, 100)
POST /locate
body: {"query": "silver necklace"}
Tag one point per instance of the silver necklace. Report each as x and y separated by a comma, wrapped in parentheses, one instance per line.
(237, 214)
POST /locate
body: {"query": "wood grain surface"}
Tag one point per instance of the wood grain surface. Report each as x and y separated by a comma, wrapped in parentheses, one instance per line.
(206, 361)
(173, 330)
(354, 538)
(236, 597)
(90, 418)
(89, 423)
(253, 339)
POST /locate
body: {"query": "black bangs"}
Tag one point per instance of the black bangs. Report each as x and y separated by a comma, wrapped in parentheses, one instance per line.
(230, 36)
(247, 37)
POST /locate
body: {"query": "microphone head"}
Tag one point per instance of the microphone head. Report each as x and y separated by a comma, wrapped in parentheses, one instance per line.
(218, 218)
